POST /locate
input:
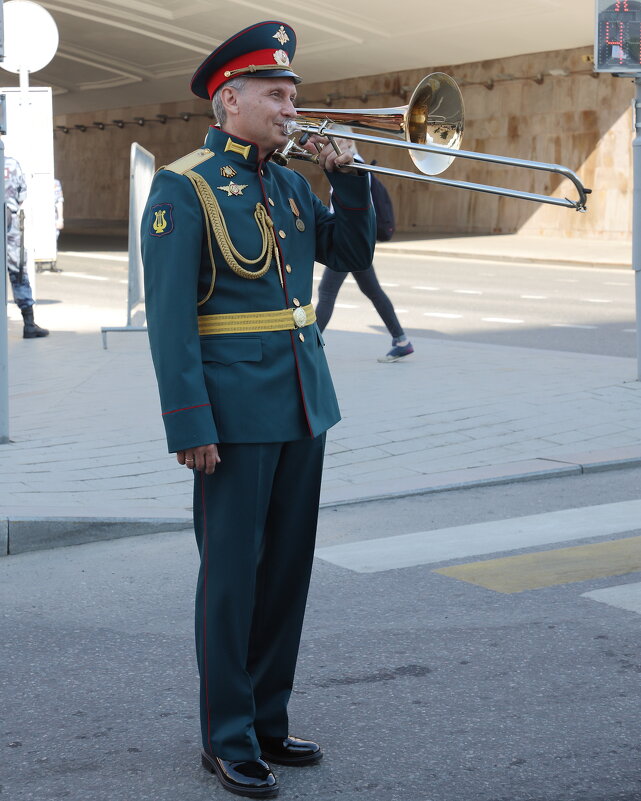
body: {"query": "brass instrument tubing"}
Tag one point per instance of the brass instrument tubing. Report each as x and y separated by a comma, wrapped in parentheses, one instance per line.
(324, 129)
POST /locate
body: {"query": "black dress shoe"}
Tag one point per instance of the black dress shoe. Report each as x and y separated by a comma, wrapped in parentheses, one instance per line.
(252, 779)
(289, 750)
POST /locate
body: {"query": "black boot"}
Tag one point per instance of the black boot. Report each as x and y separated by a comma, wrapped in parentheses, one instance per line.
(31, 330)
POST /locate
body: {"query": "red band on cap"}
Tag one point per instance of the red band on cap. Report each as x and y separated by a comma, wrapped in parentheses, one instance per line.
(257, 57)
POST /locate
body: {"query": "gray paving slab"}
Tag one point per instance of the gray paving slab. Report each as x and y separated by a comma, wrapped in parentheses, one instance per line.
(87, 437)
(449, 479)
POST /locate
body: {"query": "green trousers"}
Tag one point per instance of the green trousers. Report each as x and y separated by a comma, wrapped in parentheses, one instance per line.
(255, 522)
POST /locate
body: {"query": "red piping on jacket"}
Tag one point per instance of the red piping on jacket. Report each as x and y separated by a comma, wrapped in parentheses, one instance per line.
(291, 333)
(205, 555)
(187, 408)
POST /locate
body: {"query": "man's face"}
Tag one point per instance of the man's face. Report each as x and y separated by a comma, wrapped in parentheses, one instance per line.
(259, 111)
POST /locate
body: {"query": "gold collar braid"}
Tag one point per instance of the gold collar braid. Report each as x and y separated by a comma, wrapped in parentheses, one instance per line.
(231, 255)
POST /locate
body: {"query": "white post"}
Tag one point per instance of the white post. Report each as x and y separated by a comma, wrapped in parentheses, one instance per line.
(4, 336)
(24, 83)
(636, 217)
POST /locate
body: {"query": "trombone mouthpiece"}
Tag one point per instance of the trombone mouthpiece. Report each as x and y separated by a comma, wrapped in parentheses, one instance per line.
(290, 127)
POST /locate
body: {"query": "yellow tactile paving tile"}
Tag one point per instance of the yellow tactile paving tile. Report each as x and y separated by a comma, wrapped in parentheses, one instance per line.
(550, 568)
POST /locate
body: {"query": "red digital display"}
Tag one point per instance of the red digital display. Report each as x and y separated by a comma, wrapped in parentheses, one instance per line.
(617, 44)
(618, 36)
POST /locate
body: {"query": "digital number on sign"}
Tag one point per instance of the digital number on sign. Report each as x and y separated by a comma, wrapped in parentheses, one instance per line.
(618, 36)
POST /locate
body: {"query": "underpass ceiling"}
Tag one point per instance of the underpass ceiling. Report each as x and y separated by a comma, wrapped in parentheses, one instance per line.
(122, 53)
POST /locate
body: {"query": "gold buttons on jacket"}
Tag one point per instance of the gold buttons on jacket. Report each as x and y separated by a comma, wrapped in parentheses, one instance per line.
(282, 234)
(301, 336)
(296, 302)
(270, 201)
(288, 267)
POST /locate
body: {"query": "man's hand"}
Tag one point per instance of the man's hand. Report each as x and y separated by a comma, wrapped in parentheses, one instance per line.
(204, 457)
(328, 158)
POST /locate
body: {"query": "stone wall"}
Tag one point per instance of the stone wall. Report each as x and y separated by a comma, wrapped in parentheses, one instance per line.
(574, 119)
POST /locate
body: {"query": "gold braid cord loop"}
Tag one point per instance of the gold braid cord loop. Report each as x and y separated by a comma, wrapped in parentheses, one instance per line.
(231, 255)
(211, 253)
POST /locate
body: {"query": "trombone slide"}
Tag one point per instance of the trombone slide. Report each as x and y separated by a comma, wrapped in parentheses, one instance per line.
(324, 129)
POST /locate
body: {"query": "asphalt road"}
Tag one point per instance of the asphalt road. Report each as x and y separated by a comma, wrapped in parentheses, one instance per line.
(584, 310)
(587, 310)
(86, 279)
(421, 686)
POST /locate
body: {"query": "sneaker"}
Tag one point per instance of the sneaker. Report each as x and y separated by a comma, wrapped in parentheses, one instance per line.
(397, 352)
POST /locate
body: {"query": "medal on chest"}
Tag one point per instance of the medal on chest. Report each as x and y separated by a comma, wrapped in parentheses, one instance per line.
(299, 223)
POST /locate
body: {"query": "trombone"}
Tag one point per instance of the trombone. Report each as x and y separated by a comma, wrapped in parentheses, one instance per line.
(430, 127)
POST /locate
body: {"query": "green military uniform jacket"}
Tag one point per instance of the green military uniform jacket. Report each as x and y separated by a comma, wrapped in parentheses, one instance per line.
(268, 386)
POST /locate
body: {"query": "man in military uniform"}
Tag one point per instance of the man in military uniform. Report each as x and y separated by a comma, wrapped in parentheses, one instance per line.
(15, 191)
(229, 240)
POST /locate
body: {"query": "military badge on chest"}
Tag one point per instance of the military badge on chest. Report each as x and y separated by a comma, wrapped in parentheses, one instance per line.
(232, 189)
(299, 223)
(162, 219)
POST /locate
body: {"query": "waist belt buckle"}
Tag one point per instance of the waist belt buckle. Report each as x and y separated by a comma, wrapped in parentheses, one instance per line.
(300, 317)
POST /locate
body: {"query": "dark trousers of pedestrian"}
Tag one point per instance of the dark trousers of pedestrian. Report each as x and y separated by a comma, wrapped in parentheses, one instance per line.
(19, 278)
(368, 283)
(21, 289)
(255, 520)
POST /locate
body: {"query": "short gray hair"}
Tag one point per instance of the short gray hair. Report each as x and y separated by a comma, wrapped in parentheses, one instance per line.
(216, 102)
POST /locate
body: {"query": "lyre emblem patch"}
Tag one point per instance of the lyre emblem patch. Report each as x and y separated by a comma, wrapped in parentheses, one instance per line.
(162, 219)
(160, 223)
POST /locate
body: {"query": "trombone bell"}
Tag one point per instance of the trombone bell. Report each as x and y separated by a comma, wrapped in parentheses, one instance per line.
(434, 116)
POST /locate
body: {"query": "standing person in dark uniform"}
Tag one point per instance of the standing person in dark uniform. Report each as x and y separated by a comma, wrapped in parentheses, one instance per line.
(15, 192)
(229, 241)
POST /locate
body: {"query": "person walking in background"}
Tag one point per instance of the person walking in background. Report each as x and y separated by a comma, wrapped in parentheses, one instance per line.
(59, 202)
(15, 191)
(59, 217)
(369, 285)
(367, 280)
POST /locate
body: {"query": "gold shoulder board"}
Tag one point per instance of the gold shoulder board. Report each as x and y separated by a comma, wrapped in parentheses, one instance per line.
(191, 160)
